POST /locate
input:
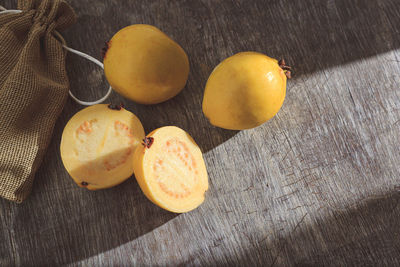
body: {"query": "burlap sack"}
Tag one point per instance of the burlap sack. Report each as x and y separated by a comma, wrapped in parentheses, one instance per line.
(33, 89)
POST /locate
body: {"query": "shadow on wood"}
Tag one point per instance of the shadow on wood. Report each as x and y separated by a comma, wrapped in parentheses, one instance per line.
(319, 35)
(62, 223)
(366, 234)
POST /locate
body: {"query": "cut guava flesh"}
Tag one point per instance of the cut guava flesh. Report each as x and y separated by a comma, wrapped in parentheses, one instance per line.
(98, 144)
(171, 171)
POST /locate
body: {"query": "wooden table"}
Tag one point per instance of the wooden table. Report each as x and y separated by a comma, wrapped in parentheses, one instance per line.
(319, 184)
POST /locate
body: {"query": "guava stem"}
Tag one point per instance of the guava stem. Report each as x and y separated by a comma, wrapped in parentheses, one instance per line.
(105, 49)
(115, 106)
(286, 69)
(148, 141)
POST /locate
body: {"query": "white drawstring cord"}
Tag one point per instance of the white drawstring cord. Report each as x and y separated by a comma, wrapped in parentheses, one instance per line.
(90, 58)
(95, 61)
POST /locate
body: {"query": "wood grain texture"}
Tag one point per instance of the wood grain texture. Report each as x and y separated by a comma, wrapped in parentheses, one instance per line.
(319, 184)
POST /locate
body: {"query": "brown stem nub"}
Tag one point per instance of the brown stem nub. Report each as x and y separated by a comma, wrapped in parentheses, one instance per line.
(148, 141)
(287, 69)
(105, 49)
(115, 106)
(84, 184)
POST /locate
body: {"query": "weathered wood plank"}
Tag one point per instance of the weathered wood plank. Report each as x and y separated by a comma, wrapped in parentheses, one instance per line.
(317, 185)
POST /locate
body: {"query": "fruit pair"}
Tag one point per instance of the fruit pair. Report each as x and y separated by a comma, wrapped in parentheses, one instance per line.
(145, 65)
(103, 145)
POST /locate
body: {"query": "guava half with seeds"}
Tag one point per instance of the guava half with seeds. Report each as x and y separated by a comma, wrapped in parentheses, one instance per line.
(98, 144)
(170, 170)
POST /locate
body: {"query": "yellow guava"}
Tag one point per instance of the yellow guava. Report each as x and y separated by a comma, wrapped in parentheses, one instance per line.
(143, 64)
(245, 90)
